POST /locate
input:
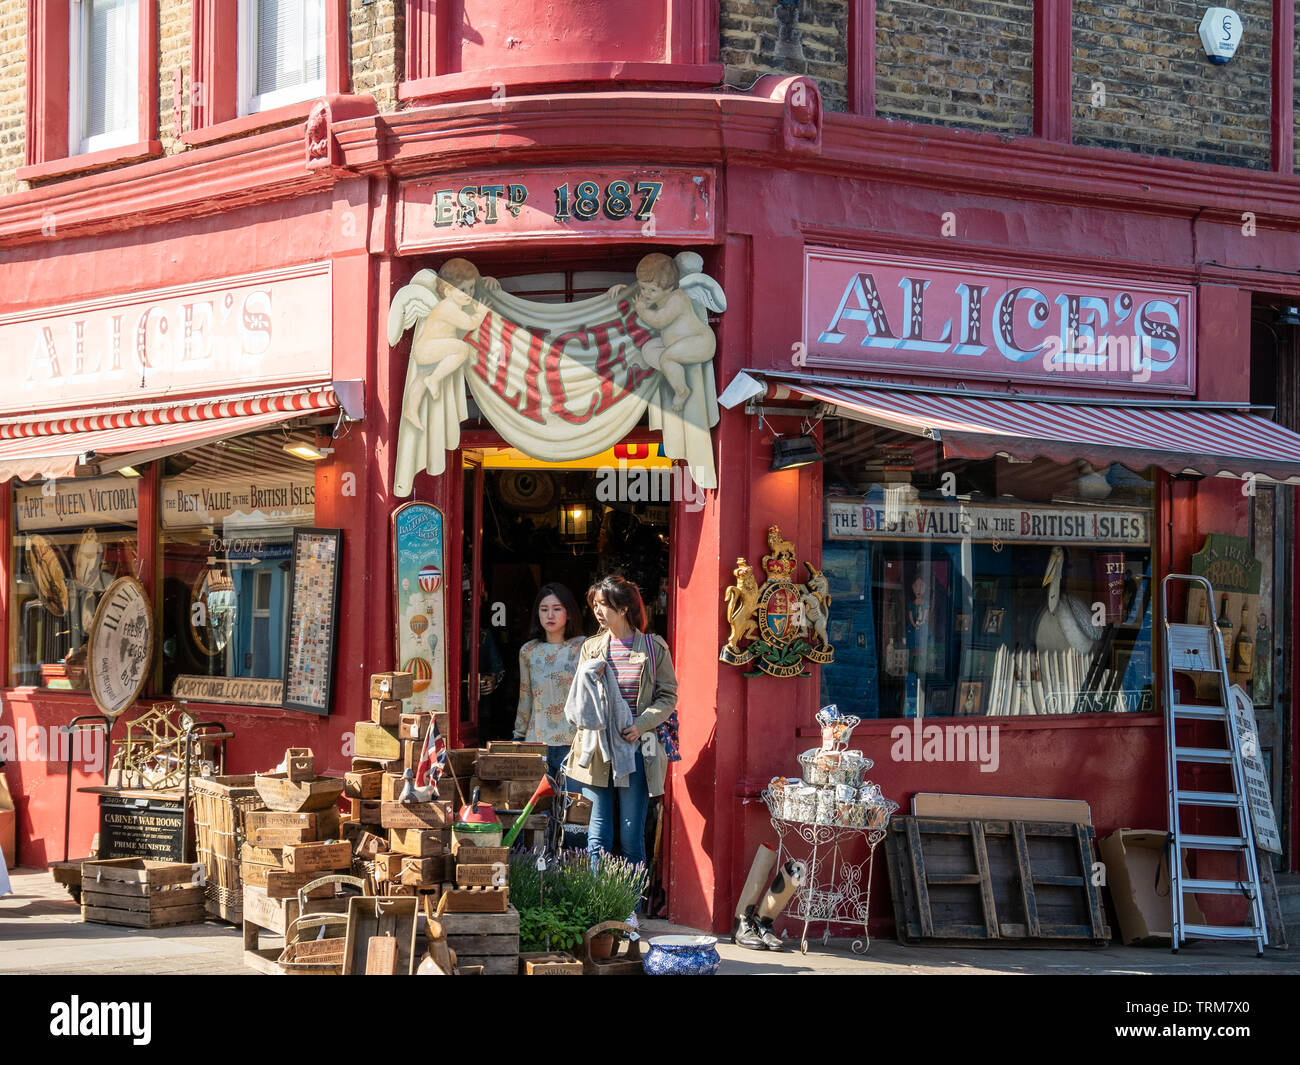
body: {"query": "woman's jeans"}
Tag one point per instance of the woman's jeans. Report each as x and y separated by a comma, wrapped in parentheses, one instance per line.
(555, 756)
(632, 803)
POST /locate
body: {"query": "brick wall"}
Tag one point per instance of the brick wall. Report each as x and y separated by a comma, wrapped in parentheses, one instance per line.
(963, 63)
(378, 34)
(1162, 94)
(748, 40)
(13, 90)
(173, 52)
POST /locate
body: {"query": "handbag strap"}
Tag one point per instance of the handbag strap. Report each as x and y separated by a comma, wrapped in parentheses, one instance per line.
(654, 666)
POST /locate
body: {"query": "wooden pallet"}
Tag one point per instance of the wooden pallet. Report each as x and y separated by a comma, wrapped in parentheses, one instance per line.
(994, 883)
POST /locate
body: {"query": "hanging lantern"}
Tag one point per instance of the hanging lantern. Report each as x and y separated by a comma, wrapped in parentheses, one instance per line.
(576, 523)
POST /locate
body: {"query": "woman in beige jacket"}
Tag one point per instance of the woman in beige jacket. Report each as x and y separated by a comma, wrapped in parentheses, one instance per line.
(624, 647)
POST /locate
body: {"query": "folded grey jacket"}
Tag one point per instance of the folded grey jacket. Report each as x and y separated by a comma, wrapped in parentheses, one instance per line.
(598, 710)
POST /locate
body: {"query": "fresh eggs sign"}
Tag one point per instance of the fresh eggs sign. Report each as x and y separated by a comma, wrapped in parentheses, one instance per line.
(913, 316)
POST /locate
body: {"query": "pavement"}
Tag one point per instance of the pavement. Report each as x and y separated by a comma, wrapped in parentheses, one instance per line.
(41, 932)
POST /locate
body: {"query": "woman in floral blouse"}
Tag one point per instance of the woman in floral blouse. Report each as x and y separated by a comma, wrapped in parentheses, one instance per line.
(547, 663)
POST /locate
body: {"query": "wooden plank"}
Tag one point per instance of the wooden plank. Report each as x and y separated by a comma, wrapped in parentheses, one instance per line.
(1026, 879)
(1000, 807)
(491, 965)
(164, 919)
(478, 946)
(918, 877)
(463, 924)
(416, 814)
(139, 870)
(988, 904)
(118, 887)
(185, 898)
(381, 956)
(1083, 840)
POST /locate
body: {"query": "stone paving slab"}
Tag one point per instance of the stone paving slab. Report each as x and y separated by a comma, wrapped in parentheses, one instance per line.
(41, 931)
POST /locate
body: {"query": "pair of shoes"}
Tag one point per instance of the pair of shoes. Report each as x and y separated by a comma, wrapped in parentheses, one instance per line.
(756, 934)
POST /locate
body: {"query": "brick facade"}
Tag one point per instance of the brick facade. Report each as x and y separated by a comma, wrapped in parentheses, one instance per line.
(13, 91)
(1162, 94)
(748, 44)
(964, 63)
(378, 33)
(173, 54)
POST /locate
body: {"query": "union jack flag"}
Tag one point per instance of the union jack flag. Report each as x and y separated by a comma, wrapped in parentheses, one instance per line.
(433, 759)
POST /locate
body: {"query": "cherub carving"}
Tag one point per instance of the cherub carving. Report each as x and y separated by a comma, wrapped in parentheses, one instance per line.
(742, 602)
(672, 300)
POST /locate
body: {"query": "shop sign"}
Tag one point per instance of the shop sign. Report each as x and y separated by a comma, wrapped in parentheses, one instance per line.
(1228, 563)
(248, 691)
(241, 333)
(858, 519)
(199, 501)
(920, 316)
(75, 504)
(1259, 792)
(420, 603)
(559, 381)
(657, 204)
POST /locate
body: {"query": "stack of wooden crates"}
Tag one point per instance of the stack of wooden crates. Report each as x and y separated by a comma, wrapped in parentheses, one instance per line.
(140, 893)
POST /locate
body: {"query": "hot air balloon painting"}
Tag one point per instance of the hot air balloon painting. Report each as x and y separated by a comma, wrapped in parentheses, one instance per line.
(420, 594)
(421, 673)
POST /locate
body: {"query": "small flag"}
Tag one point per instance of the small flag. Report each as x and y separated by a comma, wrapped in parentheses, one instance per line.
(433, 759)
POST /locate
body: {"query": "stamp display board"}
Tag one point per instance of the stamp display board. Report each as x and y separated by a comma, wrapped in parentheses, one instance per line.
(313, 620)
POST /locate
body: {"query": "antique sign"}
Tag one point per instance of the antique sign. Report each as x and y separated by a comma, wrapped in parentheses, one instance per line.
(659, 204)
(925, 316)
(313, 620)
(558, 381)
(248, 691)
(420, 603)
(786, 622)
(1258, 791)
(194, 501)
(141, 828)
(1228, 563)
(121, 646)
(256, 330)
(860, 519)
(74, 504)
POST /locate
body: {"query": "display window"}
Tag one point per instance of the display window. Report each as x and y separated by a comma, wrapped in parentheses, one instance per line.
(72, 539)
(227, 512)
(995, 587)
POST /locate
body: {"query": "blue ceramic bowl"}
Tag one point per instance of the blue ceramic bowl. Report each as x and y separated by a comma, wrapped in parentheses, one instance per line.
(682, 956)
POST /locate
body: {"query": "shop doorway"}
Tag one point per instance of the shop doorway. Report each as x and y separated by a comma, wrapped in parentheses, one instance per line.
(529, 523)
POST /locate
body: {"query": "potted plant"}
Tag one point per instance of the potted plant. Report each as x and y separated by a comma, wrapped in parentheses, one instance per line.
(558, 905)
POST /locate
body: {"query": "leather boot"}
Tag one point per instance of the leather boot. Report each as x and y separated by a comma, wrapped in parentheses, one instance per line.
(747, 935)
(763, 926)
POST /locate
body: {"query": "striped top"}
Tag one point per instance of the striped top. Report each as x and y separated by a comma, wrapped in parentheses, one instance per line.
(627, 673)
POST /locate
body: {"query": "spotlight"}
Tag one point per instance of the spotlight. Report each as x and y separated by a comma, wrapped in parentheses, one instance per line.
(793, 452)
(1289, 315)
(308, 451)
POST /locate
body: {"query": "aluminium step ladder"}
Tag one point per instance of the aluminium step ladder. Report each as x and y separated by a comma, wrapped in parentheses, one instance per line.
(1198, 650)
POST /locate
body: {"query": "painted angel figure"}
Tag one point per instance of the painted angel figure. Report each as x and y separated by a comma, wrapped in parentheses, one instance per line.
(673, 301)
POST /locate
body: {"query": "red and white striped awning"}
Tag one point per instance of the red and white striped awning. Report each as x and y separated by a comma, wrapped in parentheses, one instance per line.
(53, 447)
(1204, 438)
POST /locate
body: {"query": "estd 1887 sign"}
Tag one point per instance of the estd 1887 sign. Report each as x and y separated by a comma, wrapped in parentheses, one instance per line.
(121, 646)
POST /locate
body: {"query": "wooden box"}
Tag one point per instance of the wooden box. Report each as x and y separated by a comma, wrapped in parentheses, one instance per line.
(390, 786)
(281, 884)
(386, 712)
(475, 899)
(541, 963)
(139, 893)
(364, 785)
(509, 794)
(487, 939)
(481, 875)
(461, 762)
(298, 796)
(369, 765)
(515, 747)
(269, 828)
(317, 857)
(392, 685)
(425, 872)
(443, 720)
(413, 726)
(411, 752)
(300, 764)
(368, 845)
(419, 842)
(388, 865)
(254, 855)
(376, 741)
(437, 814)
(479, 855)
(531, 767)
(366, 811)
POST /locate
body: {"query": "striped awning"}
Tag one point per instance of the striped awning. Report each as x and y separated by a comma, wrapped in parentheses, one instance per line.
(1210, 439)
(54, 447)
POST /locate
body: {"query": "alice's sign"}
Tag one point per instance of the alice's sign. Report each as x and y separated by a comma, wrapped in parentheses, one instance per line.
(559, 381)
(627, 203)
(858, 519)
(917, 316)
(252, 332)
(75, 504)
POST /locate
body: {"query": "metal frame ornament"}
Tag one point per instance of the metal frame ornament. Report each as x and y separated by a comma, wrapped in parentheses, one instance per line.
(785, 621)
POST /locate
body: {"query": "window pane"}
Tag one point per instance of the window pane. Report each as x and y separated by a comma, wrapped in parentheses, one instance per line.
(228, 513)
(109, 26)
(996, 587)
(68, 547)
(290, 44)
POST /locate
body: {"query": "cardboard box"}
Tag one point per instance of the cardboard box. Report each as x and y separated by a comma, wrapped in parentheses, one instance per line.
(392, 685)
(376, 741)
(1137, 874)
(8, 825)
(386, 712)
(419, 842)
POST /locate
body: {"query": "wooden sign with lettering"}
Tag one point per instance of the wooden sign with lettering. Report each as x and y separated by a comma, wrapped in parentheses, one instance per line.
(121, 646)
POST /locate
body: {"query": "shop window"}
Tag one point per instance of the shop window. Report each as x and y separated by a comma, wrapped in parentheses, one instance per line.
(227, 513)
(998, 587)
(565, 286)
(72, 539)
(281, 53)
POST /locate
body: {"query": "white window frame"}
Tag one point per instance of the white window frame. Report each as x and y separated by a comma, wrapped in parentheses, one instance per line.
(78, 13)
(249, 102)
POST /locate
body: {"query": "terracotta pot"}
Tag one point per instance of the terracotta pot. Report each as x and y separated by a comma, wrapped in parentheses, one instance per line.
(602, 947)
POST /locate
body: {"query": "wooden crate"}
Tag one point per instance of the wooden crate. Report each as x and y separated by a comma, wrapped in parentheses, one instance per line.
(363, 785)
(425, 872)
(475, 899)
(530, 767)
(463, 852)
(366, 811)
(317, 857)
(280, 884)
(139, 893)
(320, 824)
(419, 815)
(544, 963)
(265, 914)
(461, 762)
(392, 685)
(994, 883)
(487, 939)
(419, 842)
(272, 856)
(516, 747)
(481, 875)
(390, 786)
(386, 712)
(376, 741)
(413, 726)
